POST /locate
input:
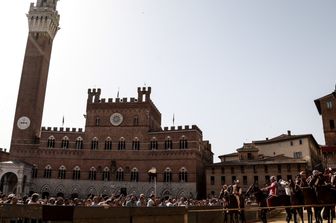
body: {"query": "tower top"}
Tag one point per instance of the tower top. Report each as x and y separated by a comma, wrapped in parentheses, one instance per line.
(47, 4)
(43, 17)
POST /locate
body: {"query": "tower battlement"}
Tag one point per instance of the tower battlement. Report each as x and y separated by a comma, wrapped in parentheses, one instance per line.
(43, 17)
(181, 128)
(94, 97)
(61, 129)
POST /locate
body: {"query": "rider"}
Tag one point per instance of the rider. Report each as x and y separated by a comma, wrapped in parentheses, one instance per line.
(237, 191)
(273, 190)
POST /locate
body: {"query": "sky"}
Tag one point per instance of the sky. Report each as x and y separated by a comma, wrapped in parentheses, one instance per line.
(241, 70)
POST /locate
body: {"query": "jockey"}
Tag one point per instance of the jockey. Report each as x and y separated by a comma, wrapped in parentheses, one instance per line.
(272, 190)
(302, 181)
(237, 191)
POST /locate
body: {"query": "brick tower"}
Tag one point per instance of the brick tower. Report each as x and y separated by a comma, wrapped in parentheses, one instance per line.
(43, 21)
(326, 107)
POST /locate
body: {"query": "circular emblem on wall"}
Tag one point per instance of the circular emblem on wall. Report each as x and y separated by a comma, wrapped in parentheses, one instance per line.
(116, 119)
(23, 123)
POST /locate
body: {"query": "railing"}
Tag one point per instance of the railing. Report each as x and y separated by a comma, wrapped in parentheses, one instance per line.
(66, 214)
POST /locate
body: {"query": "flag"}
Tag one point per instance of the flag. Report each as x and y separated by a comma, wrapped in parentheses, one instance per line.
(63, 121)
(173, 119)
(118, 93)
(152, 172)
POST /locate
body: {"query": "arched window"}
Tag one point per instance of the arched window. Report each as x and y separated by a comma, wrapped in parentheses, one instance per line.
(34, 171)
(65, 142)
(108, 143)
(94, 143)
(121, 144)
(61, 172)
(47, 172)
(183, 143)
(92, 173)
(79, 143)
(135, 144)
(183, 175)
(51, 142)
(136, 120)
(168, 143)
(97, 121)
(153, 144)
(106, 174)
(134, 175)
(120, 174)
(167, 175)
(76, 173)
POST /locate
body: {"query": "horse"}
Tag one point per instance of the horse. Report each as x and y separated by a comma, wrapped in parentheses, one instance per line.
(326, 194)
(296, 198)
(230, 202)
(265, 201)
(260, 197)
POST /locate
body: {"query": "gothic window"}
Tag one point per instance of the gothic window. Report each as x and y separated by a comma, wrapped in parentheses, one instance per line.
(47, 172)
(76, 173)
(121, 144)
(97, 121)
(51, 142)
(65, 142)
(92, 173)
(61, 172)
(167, 175)
(168, 143)
(134, 175)
(183, 175)
(136, 120)
(153, 144)
(108, 143)
(183, 143)
(79, 143)
(34, 171)
(120, 174)
(106, 174)
(135, 144)
(94, 143)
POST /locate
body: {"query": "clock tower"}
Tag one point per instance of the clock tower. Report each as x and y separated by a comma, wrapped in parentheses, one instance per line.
(43, 22)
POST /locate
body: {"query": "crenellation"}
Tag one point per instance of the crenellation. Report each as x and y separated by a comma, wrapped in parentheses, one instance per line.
(186, 127)
(61, 129)
(110, 100)
(165, 129)
(179, 127)
(124, 100)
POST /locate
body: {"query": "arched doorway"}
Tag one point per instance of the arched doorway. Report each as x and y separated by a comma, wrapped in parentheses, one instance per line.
(9, 183)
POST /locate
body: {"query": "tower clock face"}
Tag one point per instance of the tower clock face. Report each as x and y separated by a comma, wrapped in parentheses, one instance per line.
(23, 123)
(116, 119)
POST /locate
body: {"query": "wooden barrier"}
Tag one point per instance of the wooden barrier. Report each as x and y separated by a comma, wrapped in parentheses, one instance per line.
(66, 214)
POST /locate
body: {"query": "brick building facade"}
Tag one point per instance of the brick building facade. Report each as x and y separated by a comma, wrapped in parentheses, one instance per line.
(123, 148)
(326, 107)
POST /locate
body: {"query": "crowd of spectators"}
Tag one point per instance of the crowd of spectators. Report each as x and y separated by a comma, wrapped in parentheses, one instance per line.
(109, 201)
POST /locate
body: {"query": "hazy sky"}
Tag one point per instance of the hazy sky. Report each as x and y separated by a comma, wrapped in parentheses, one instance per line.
(241, 70)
